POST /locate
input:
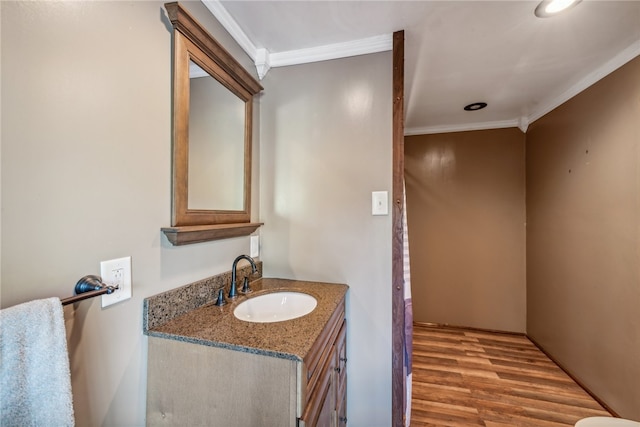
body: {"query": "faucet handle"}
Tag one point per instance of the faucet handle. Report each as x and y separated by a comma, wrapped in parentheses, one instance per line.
(220, 301)
(245, 286)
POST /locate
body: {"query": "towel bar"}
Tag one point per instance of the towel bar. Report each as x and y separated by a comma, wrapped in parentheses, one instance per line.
(89, 287)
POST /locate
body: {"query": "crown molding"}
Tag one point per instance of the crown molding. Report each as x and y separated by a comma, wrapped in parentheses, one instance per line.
(265, 60)
(365, 46)
(601, 72)
(522, 123)
(262, 62)
(463, 127)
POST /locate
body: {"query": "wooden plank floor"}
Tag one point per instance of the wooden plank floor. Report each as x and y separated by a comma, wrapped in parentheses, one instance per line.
(469, 378)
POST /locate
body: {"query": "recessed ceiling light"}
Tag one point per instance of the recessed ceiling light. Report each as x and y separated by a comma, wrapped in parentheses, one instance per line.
(475, 106)
(549, 8)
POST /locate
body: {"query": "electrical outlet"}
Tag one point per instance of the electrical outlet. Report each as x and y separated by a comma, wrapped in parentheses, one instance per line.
(116, 272)
(255, 246)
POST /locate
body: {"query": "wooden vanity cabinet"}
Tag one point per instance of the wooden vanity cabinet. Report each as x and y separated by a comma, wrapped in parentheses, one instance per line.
(193, 384)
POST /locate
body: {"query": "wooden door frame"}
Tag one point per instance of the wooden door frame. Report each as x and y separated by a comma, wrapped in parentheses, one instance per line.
(397, 269)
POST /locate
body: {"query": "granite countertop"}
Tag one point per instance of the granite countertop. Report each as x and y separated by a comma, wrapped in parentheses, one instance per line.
(291, 339)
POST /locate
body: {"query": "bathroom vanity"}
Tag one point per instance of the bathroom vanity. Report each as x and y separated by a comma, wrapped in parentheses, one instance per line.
(207, 367)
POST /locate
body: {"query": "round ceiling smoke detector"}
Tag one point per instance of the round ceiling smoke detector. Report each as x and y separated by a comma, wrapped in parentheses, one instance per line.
(475, 106)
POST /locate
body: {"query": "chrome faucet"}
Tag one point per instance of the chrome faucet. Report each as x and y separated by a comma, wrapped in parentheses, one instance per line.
(233, 291)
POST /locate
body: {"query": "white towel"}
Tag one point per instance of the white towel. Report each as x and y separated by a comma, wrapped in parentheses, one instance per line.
(35, 381)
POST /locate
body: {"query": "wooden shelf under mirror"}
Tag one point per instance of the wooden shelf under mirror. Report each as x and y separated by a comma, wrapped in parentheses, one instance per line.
(203, 233)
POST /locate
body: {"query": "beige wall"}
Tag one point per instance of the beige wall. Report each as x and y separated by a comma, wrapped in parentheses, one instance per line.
(326, 144)
(583, 237)
(86, 176)
(466, 216)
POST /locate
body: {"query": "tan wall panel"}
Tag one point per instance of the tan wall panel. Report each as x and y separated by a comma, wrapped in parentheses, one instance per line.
(466, 214)
(583, 234)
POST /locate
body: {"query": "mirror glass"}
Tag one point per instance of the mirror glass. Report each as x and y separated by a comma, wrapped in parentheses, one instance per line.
(216, 144)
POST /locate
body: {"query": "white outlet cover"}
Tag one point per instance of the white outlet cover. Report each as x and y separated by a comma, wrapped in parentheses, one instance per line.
(116, 272)
(255, 246)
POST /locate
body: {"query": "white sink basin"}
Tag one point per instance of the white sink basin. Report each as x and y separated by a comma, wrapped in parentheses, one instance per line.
(275, 307)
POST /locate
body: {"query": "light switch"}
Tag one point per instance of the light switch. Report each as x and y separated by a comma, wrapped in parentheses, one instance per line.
(379, 203)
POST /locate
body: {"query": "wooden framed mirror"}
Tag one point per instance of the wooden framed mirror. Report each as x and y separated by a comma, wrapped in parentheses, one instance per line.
(212, 136)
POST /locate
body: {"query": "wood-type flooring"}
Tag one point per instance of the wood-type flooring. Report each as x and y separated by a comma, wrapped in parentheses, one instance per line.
(467, 377)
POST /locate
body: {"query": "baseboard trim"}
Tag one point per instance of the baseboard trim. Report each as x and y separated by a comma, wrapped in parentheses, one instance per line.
(576, 380)
(522, 334)
(469, 328)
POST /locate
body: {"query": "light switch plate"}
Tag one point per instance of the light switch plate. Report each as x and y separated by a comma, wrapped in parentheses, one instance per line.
(379, 203)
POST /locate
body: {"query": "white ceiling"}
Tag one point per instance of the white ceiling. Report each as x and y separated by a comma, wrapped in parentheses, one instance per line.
(456, 52)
